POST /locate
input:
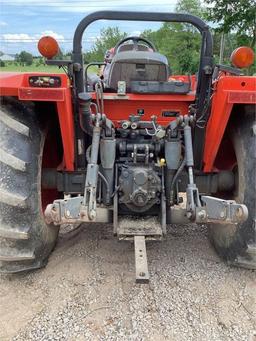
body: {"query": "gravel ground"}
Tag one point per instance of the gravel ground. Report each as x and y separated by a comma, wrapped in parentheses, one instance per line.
(87, 292)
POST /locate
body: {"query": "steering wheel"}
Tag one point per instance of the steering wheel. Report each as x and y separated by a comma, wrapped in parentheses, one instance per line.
(135, 41)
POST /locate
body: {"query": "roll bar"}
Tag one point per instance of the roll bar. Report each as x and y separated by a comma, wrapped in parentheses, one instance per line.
(206, 49)
(203, 90)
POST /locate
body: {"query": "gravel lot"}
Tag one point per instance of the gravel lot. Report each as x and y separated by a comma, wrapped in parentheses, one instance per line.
(87, 292)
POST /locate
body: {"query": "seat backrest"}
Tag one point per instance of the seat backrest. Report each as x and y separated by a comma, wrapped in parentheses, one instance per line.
(130, 47)
(131, 66)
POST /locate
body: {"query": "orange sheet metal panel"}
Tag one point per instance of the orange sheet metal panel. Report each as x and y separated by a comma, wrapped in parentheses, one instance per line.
(10, 82)
(17, 84)
(37, 94)
(228, 90)
(66, 120)
(119, 108)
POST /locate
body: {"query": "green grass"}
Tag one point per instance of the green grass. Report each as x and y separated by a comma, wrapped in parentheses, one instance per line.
(10, 67)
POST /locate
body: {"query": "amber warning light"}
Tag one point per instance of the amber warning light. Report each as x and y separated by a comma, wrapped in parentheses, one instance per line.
(48, 47)
(242, 57)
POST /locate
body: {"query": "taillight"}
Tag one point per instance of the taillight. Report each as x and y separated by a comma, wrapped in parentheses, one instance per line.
(242, 57)
(45, 81)
(48, 47)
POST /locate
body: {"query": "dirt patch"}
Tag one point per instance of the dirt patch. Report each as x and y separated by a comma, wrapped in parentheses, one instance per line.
(87, 292)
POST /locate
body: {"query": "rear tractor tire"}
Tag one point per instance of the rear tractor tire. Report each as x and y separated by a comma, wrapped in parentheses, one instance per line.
(237, 243)
(25, 239)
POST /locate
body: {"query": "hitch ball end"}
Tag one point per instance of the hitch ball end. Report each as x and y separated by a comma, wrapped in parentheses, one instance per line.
(51, 214)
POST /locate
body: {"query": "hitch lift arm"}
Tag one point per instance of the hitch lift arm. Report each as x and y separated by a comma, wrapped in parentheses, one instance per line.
(207, 209)
(89, 204)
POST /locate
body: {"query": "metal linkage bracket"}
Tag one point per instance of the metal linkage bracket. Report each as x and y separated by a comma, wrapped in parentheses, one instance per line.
(220, 211)
(90, 190)
(72, 211)
(141, 262)
(193, 200)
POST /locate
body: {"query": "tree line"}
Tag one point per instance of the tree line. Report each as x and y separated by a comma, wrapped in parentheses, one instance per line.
(180, 43)
(233, 23)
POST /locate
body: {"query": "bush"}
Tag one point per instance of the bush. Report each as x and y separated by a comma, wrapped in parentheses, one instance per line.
(24, 58)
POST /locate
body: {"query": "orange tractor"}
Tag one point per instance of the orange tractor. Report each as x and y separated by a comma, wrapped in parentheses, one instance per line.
(135, 147)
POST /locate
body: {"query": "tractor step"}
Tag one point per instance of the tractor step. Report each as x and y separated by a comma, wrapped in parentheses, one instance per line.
(141, 262)
(149, 227)
(139, 229)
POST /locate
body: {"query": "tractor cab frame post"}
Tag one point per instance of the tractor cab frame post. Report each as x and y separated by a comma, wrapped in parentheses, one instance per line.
(204, 71)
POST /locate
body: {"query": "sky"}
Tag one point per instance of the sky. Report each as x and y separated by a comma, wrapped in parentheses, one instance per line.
(23, 22)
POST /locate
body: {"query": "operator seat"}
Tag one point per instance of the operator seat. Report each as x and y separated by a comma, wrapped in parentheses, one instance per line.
(142, 64)
(129, 47)
(131, 66)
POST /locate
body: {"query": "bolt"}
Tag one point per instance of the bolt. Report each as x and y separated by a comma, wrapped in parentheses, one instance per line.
(202, 214)
(140, 200)
(222, 214)
(142, 274)
(239, 212)
(92, 214)
(82, 214)
(189, 215)
(125, 174)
